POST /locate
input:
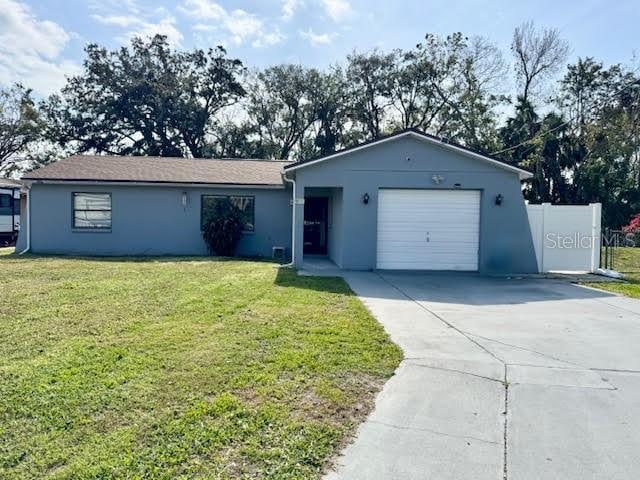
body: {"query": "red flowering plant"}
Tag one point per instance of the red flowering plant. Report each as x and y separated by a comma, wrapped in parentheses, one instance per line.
(634, 225)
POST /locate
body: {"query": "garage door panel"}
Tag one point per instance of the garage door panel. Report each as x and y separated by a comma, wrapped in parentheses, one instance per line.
(435, 218)
(428, 266)
(391, 246)
(418, 223)
(434, 231)
(436, 209)
(452, 245)
(408, 254)
(428, 229)
(422, 226)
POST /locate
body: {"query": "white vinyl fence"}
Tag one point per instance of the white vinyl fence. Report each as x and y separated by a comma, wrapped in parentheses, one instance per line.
(566, 238)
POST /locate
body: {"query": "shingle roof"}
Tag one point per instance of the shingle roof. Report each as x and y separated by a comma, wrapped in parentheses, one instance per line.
(101, 168)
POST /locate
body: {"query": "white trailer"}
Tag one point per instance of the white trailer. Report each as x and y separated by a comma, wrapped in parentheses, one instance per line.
(9, 214)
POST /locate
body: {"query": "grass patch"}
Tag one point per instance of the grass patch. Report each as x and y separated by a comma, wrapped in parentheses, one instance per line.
(627, 261)
(180, 368)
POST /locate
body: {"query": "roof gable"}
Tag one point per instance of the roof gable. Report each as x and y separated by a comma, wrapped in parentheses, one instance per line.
(523, 174)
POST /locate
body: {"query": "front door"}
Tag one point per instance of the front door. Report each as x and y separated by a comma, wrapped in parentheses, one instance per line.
(316, 214)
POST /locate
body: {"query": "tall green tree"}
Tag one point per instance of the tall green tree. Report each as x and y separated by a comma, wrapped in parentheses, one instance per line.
(369, 76)
(290, 112)
(20, 126)
(231, 138)
(332, 128)
(279, 110)
(545, 147)
(443, 86)
(604, 107)
(426, 82)
(146, 99)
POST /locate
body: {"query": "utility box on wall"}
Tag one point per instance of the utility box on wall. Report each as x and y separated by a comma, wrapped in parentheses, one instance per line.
(566, 238)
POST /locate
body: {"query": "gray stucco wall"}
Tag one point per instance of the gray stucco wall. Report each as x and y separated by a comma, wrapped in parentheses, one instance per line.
(150, 220)
(505, 239)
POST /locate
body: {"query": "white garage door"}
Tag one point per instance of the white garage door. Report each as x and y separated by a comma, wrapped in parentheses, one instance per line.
(428, 229)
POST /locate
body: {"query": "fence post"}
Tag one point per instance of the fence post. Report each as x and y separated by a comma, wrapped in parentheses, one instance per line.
(546, 213)
(596, 240)
(612, 248)
(607, 252)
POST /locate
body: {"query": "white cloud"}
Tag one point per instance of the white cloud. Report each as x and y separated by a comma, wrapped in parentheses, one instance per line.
(165, 26)
(289, 8)
(138, 22)
(338, 10)
(317, 39)
(106, 6)
(243, 25)
(237, 26)
(31, 49)
(123, 21)
(269, 39)
(204, 9)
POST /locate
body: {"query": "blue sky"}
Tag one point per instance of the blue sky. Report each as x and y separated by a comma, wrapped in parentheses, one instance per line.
(41, 41)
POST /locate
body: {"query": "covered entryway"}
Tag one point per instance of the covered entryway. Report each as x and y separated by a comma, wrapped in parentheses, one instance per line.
(428, 229)
(322, 224)
(316, 225)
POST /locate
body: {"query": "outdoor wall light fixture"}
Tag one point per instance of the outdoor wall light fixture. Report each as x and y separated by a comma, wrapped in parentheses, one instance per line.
(365, 198)
(499, 199)
(183, 200)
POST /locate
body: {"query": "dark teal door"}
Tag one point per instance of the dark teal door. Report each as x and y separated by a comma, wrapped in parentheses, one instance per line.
(316, 225)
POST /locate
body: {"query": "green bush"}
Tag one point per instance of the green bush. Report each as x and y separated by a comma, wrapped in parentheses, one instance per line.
(222, 227)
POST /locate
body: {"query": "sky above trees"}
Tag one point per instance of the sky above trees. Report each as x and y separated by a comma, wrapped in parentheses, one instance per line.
(41, 41)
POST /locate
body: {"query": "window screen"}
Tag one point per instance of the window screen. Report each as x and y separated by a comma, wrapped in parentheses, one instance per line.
(92, 210)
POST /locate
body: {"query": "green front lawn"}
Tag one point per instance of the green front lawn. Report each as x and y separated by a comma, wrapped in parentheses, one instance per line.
(627, 261)
(180, 368)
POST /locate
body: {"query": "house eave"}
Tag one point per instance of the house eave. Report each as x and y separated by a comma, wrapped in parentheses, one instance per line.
(135, 183)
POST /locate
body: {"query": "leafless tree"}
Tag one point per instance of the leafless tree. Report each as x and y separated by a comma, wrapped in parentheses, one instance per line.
(538, 53)
(488, 63)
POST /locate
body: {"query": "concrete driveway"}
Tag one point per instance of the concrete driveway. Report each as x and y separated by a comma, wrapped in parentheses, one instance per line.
(502, 378)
